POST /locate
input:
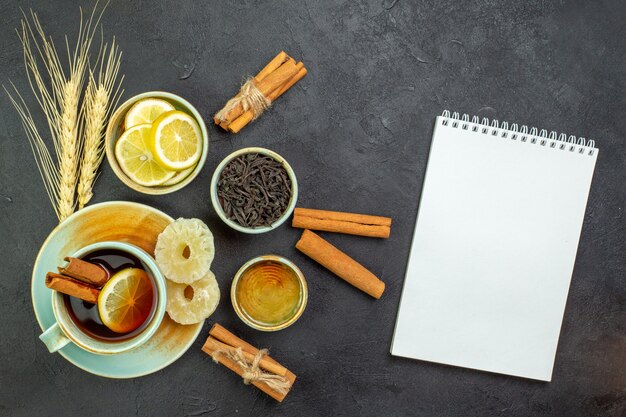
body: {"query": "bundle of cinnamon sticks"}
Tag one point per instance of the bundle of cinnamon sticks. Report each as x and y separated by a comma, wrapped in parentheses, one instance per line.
(240, 357)
(278, 76)
(78, 279)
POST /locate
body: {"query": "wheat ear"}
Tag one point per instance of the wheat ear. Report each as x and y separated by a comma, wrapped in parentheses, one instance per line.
(101, 97)
(69, 146)
(70, 141)
(58, 96)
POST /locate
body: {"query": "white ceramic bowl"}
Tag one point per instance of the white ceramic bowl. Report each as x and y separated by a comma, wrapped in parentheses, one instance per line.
(218, 207)
(115, 129)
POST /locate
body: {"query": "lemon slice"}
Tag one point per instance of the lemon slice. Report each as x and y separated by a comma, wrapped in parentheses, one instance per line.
(180, 175)
(146, 111)
(132, 152)
(126, 300)
(177, 140)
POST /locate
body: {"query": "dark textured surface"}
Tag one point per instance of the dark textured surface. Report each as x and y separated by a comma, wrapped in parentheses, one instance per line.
(357, 132)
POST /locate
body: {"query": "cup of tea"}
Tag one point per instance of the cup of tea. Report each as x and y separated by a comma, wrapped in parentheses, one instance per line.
(79, 322)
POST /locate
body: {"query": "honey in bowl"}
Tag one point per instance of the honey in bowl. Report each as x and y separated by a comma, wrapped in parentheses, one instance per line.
(85, 315)
(269, 293)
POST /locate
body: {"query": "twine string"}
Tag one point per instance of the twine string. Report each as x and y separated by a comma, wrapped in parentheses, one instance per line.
(251, 371)
(250, 98)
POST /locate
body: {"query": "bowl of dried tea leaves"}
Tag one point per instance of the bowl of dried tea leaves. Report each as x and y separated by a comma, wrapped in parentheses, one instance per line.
(254, 190)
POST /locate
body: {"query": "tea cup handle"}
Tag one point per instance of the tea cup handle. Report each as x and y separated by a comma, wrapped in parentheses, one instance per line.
(54, 338)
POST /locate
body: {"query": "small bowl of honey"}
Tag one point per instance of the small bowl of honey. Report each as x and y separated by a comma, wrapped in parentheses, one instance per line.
(269, 293)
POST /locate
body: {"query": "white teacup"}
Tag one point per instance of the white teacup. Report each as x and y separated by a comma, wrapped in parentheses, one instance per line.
(65, 330)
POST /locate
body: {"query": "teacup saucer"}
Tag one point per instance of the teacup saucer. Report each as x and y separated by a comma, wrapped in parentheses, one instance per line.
(118, 221)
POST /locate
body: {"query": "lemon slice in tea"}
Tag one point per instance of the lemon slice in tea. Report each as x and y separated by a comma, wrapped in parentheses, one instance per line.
(146, 111)
(176, 140)
(125, 301)
(133, 154)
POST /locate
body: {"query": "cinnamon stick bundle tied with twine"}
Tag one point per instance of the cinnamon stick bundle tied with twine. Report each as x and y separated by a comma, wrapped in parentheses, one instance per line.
(254, 365)
(258, 93)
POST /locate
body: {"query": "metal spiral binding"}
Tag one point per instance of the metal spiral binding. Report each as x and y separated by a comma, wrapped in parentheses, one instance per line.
(522, 133)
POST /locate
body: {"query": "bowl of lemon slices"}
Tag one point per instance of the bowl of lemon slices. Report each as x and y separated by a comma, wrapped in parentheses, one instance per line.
(156, 142)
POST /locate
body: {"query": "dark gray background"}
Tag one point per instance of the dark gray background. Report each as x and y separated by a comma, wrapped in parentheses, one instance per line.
(357, 131)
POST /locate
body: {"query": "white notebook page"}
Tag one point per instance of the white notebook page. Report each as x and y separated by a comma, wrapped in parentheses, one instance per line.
(493, 251)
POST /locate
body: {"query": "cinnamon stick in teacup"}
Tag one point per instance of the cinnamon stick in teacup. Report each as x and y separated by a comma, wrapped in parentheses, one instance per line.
(73, 287)
(85, 271)
(340, 264)
(340, 222)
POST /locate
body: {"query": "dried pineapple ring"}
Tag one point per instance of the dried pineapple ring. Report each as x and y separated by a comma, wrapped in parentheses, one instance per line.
(171, 247)
(206, 296)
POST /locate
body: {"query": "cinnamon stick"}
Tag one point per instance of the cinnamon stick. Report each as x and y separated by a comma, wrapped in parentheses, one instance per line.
(340, 222)
(220, 333)
(276, 62)
(280, 74)
(85, 271)
(302, 71)
(213, 344)
(268, 84)
(223, 335)
(278, 77)
(240, 122)
(73, 287)
(340, 264)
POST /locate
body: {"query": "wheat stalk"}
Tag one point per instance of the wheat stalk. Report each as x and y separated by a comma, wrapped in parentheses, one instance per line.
(101, 97)
(69, 146)
(43, 158)
(58, 94)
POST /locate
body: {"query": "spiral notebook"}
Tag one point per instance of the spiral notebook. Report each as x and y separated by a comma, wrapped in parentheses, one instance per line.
(495, 240)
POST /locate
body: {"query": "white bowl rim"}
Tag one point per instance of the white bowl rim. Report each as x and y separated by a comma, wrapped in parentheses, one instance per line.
(218, 207)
